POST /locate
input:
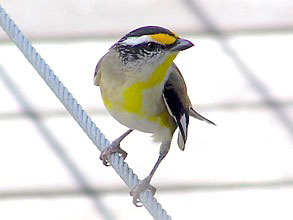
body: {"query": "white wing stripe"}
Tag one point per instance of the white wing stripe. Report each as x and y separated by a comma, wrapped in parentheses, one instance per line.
(184, 125)
(168, 108)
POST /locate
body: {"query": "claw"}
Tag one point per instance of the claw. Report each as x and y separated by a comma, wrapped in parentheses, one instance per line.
(140, 187)
(112, 148)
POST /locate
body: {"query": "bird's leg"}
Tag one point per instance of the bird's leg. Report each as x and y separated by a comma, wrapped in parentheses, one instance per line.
(145, 183)
(114, 147)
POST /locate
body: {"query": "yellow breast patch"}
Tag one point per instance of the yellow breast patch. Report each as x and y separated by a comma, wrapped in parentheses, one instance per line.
(132, 96)
(107, 103)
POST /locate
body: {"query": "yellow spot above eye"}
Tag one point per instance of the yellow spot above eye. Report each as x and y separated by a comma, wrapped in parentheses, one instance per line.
(163, 38)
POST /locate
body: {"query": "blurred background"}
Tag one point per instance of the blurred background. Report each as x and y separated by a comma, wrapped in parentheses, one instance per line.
(239, 75)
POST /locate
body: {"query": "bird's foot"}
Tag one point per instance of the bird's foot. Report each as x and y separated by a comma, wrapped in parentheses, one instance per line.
(140, 187)
(112, 148)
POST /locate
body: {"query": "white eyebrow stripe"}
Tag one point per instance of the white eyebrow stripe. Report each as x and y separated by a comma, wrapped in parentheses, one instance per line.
(131, 41)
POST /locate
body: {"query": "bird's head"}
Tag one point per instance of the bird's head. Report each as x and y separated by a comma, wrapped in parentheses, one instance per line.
(149, 44)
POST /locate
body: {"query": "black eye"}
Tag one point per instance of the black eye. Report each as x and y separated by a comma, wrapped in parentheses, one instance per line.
(150, 46)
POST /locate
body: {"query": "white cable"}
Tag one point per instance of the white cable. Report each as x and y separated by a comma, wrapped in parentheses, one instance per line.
(75, 109)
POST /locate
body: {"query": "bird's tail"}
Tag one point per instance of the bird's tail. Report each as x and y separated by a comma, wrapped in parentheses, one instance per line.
(198, 116)
(180, 141)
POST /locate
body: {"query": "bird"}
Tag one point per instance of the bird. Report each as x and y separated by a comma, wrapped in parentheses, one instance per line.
(144, 90)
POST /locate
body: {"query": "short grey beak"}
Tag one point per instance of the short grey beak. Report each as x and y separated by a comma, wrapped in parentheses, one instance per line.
(181, 44)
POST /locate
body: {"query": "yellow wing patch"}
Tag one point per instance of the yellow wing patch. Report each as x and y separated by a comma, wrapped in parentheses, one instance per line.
(165, 39)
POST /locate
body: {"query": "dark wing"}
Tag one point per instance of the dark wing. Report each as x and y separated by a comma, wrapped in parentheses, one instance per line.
(177, 102)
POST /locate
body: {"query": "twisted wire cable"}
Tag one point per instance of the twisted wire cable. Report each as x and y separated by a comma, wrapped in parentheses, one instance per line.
(75, 109)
